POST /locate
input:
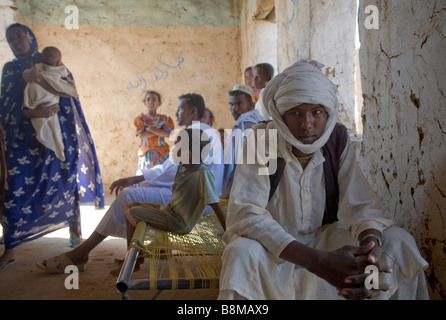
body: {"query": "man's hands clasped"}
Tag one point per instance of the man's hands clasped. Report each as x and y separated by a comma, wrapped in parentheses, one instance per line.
(354, 287)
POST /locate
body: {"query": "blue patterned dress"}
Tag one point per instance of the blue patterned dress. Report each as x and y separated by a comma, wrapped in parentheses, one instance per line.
(43, 194)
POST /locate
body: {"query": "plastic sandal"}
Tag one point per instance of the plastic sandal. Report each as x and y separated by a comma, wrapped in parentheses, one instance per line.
(74, 242)
(5, 264)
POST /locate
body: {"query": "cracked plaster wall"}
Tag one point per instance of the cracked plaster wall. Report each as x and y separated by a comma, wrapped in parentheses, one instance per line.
(324, 30)
(6, 18)
(404, 118)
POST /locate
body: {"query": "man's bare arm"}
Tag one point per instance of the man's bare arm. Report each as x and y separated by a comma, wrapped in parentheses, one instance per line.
(220, 213)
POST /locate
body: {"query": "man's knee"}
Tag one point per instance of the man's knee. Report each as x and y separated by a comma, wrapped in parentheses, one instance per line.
(244, 248)
(127, 195)
(396, 239)
(396, 235)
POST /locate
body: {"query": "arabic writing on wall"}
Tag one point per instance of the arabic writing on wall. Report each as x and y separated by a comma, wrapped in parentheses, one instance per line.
(161, 72)
(290, 20)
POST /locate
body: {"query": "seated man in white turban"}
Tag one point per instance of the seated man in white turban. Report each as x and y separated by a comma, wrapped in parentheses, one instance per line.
(293, 243)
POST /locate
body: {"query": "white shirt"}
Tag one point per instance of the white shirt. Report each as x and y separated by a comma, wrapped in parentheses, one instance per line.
(163, 175)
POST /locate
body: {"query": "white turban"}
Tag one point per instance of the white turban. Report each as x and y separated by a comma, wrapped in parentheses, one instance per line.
(303, 82)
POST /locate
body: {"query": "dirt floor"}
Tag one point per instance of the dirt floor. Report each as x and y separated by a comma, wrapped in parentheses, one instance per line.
(23, 280)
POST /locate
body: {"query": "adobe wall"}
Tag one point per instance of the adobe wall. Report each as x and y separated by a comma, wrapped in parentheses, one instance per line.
(402, 153)
(119, 52)
(324, 31)
(6, 18)
(258, 36)
(404, 87)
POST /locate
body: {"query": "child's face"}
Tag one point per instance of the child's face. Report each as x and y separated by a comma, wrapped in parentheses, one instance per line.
(54, 64)
(260, 79)
(152, 102)
(249, 79)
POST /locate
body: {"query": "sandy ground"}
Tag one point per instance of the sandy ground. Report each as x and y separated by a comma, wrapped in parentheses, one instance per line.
(23, 280)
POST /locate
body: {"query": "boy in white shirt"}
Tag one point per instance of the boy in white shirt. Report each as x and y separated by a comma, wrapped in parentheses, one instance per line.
(193, 189)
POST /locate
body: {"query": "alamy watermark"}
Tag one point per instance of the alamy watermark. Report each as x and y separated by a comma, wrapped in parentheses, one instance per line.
(372, 281)
(72, 20)
(372, 20)
(72, 281)
(260, 147)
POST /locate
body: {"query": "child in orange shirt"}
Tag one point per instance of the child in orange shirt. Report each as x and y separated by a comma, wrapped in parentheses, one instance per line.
(153, 129)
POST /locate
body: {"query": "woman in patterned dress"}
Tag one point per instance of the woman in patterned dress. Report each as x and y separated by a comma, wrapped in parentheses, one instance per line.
(42, 193)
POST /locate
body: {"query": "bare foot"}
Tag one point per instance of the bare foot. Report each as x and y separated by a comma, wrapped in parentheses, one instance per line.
(139, 262)
(77, 259)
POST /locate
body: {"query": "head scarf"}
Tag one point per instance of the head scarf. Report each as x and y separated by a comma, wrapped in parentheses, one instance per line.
(13, 85)
(303, 82)
(34, 55)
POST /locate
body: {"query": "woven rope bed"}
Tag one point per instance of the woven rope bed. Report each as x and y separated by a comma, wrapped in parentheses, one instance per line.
(191, 261)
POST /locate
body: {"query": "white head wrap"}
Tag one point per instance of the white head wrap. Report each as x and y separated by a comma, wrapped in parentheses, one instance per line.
(303, 82)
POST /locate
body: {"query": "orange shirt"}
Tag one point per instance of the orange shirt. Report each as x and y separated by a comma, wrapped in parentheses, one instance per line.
(156, 142)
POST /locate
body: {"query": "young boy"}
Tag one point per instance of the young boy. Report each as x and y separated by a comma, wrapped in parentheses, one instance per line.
(193, 189)
(262, 74)
(51, 69)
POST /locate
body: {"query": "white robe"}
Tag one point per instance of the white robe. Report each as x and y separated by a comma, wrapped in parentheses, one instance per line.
(260, 107)
(258, 231)
(234, 145)
(48, 130)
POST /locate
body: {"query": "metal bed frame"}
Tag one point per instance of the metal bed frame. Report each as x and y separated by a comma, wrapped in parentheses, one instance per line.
(204, 246)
